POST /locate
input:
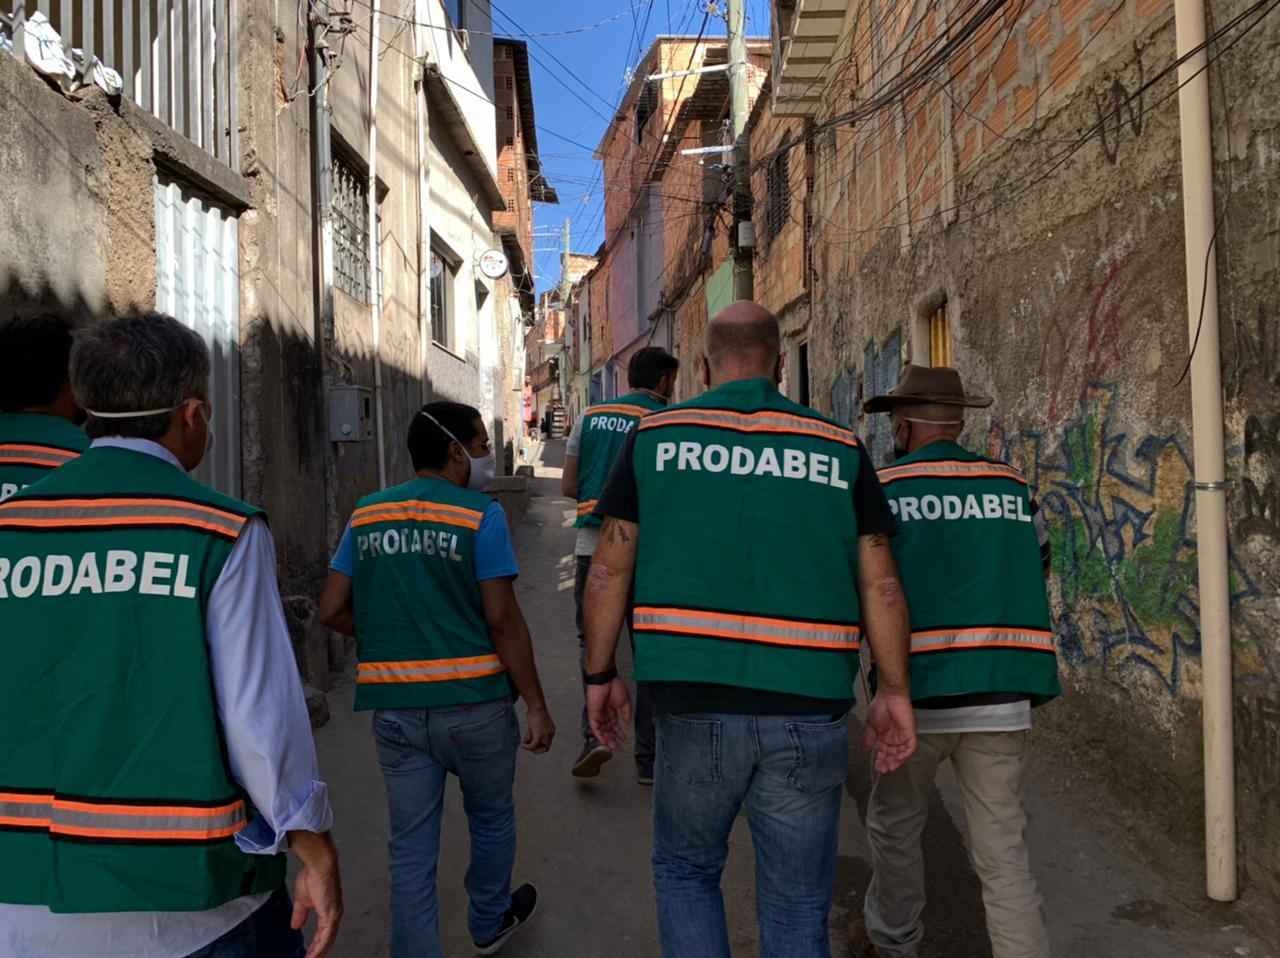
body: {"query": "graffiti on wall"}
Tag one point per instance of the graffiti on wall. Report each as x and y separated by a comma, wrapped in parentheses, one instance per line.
(1121, 520)
(881, 364)
(1119, 110)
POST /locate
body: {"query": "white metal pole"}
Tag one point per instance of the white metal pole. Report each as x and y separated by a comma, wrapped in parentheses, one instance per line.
(740, 112)
(424, 212)
(1207, 441)
(374, 253)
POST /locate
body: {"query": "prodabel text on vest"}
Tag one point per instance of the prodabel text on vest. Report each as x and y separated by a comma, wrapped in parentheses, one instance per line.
(784, 463)
(409, 542)
(117, 570)
(988, 505)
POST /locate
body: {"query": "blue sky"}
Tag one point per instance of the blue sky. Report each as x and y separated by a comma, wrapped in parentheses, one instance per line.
(573, 98)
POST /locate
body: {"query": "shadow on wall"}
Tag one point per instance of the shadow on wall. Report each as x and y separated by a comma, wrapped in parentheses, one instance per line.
(19, 299)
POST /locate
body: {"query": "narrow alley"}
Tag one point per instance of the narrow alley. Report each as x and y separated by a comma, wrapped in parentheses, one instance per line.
(585, 844)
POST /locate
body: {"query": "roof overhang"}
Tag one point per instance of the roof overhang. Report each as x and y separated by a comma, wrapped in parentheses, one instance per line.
(446, 109)
(806, 34)
(518, 269)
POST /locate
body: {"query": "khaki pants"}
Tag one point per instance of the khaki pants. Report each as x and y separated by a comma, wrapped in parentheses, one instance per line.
(988, 767)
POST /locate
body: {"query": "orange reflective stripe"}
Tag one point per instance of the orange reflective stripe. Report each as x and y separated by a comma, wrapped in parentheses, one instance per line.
(796, 633)
(145, 835)
(117, 511)
(584, 508)
(417, 511)
(951, 470)
(617, 409)
(985, 637)
(121, 819)
(764, 421)
(430, 670)
(34, 454)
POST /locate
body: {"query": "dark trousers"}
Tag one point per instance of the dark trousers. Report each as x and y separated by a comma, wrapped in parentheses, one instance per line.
(643, 708)
(264, 934)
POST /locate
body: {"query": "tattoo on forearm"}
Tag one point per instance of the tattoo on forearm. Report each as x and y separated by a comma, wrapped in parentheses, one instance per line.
(614, 531)
(877, 540)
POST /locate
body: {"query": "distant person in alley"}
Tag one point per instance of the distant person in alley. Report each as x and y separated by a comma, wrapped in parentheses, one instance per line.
(973, 553)
(39, 419)
(758, 538)
(597, 438)
(423, 578)
(156, 756)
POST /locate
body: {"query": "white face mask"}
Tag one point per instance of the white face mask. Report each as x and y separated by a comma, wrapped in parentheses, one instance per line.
(482, 469)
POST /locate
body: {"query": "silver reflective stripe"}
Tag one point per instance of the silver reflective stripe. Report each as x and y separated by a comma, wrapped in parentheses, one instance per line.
(441, 670)
(978, 638)
(22, 810)
(165, 820)
(749, 422)
(34, 456)
(928, 468)
(749, 628)
(18, 512)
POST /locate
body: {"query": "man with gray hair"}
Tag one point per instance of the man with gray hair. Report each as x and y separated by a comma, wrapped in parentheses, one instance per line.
(972, 552)
(156, 754)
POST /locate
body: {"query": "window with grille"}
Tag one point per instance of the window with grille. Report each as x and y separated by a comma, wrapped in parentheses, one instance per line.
(511, 113)
(510, 141)
(511, 175)
(350, 229)
(443, 271)
(510, 83)
(779, 207)
(646, 106)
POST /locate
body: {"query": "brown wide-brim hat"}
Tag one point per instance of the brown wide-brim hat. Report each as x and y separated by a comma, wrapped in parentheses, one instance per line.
(926, 384)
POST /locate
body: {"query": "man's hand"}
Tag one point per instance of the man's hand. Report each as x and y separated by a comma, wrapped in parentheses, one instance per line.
(539, 730)
(608, 706)
(318, 888)
(891, 731)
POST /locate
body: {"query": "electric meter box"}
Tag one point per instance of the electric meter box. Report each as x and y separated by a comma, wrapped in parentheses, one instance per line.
(350, 413)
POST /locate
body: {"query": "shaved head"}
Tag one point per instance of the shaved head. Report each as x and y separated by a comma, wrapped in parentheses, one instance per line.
(743, 341)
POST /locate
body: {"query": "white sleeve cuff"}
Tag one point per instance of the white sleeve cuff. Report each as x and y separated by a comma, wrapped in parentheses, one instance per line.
(314, 815)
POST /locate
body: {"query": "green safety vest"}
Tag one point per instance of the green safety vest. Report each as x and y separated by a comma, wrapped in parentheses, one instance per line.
(32, 445)
(969, 557)
(605, 428)
(747, 565)
(421, 635)
(115, 794)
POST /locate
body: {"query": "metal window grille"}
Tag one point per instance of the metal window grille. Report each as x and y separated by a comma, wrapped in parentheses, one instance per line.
(350, 229)
(645, 108)
(510, 83)
(511, 175)
(510, 141)
(442, 273)
(779, 208)
(176, 58)
(511, 113)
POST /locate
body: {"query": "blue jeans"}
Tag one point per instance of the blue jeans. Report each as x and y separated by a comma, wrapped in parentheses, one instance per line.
(264, 934)
(417, 748)
(789, 772)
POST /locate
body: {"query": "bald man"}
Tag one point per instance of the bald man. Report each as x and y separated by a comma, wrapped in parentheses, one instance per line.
(758, 538)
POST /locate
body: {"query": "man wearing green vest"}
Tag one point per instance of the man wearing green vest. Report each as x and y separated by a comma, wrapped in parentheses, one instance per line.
(39, 419)
(759, 543)
(973, 554)
(423, 578)
(156, 755)
(597, 438)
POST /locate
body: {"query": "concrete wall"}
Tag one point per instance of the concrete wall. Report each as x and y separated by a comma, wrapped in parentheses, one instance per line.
(1062, 276)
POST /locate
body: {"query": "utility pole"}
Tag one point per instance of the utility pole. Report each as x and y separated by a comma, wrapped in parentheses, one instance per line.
(564, 264)
(744, 239)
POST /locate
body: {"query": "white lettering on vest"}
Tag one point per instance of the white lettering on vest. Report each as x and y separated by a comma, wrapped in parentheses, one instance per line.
(689, 456)
(1007, 506)
(416, 545)
(182, 589)
(744, 461)
(53, 566)
(9, 489)
(28, 566)
(88, 578)
(155, 573)
(120, 576)
(793, 464)
(767, 465)
(666, 452)
(391, 541)
(715, 458)
(4, 574)
(375, 543)
(818, 467)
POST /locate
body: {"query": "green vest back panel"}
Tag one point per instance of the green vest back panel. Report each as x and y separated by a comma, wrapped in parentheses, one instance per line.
(969, 558)
(115, 793)
(746, 573)
(605, 428)
(32, 445)
(421, 635)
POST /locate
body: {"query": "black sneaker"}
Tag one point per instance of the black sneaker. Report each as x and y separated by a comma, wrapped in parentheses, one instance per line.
(644, 774)
(524, 902)
(593, 756)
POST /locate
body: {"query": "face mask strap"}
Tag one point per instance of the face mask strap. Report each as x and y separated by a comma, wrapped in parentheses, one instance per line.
(935, 422)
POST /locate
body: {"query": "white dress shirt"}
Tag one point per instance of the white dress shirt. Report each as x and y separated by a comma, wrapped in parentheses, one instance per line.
(269, 746)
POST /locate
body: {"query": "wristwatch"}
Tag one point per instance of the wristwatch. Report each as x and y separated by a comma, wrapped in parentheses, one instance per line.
(602, 678)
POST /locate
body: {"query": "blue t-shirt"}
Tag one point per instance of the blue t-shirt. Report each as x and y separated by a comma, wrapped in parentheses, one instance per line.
(495, 558)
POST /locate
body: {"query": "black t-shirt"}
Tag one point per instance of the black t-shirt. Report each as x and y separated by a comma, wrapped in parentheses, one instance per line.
(621, 500)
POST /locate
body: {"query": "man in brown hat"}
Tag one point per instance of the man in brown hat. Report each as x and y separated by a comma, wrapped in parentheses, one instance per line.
(973, 553)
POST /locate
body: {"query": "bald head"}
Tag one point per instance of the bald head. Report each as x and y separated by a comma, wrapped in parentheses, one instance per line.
(743, 342)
